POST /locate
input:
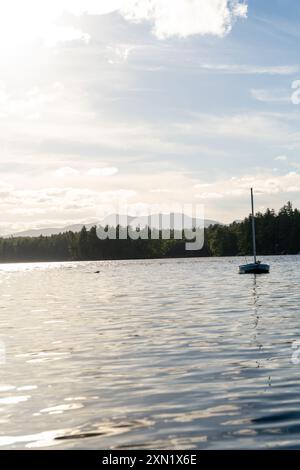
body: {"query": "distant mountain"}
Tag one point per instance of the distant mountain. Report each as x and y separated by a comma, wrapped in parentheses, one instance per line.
(173, 221)
(209, 222)
(47, 232)
(110, 220)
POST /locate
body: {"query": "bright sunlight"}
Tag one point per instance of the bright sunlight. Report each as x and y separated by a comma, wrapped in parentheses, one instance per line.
(24, 23)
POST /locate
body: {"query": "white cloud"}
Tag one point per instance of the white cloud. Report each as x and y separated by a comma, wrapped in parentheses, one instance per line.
(170, 18)
(23, 22)
(209, 196)
(28, 104)
(264, 183)
(281, 158)
(27, 212)
(270, 96)
(186, 17)
(248, 126)
(5, 188)
(119, 54)
(55, 206)
(55, 35)
(101, 172)
(240, 9)
(66, 172)
(248, 69)
(159, 191)
(80, 198)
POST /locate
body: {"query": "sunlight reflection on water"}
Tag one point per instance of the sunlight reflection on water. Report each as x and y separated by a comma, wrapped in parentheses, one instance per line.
(149, 354)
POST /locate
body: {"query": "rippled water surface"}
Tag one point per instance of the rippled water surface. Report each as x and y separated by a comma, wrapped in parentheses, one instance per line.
(179, 354)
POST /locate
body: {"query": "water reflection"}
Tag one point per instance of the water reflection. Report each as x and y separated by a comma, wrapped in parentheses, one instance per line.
(256, 319)
(164, 354)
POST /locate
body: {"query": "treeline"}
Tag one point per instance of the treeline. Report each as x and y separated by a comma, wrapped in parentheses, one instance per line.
(276, 233)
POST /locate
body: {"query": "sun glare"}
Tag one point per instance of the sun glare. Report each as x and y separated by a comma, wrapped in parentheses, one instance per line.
(25, 23)
(22, 23)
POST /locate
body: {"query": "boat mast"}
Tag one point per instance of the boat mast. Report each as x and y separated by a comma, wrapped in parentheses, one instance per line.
(253, 227)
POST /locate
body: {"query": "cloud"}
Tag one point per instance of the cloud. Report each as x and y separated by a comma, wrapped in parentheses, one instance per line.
(79, 198)
(270, 96)
(66, 172)
(70, 172)
(28, 104)
(281, 158)
(159, 191)
(184, 18)
(5, 188)
(248, 69)
(55, 35)
(247, 126)
(264, 183)
(55, 206)
(23, 22)
(119, 54)
(180, 18)
(100, 172)
(209, 196)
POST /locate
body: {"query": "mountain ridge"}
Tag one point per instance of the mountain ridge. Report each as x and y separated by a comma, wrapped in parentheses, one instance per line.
(109, 220)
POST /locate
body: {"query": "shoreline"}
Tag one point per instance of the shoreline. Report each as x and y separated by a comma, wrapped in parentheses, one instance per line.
(42, 261)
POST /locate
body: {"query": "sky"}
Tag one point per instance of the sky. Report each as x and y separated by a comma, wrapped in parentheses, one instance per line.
(146, 101)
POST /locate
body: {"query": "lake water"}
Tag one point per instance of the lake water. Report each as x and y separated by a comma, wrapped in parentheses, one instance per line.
(172, 354)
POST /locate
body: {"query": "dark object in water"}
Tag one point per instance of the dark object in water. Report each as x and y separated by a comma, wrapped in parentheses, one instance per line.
(256, 267)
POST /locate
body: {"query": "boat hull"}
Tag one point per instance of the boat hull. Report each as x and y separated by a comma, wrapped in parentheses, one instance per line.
(254, 268)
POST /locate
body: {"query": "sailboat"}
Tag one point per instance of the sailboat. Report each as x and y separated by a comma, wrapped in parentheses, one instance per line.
(256, 267)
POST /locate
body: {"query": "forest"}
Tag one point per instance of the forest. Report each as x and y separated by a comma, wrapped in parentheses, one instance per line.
(276, 234)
